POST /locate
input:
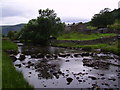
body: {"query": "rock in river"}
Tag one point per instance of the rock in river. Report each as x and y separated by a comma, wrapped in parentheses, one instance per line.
(22, 57)
(69, 80)
(92, 77)
(39, 55)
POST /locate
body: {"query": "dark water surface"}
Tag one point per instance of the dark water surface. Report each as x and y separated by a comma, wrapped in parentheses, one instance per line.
(71, 71)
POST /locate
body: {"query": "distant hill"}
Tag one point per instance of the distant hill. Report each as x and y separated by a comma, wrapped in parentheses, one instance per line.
(7, 28)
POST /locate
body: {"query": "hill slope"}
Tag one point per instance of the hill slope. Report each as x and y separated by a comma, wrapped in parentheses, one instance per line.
(7, 28)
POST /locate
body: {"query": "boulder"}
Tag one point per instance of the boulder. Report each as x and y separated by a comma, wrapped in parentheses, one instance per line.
(63, 55)
(48, 56)
(85, 54)
(33, 56)
(77, 55)
(55, 56)
(92, 77)
(39, 55)
(69, 79)
(18, 65)
(22, 57)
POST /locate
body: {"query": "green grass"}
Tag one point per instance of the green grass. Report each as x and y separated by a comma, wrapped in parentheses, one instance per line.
(7, 44)
(110, 47)
(10, 77)
(0, 69)
(0, 62)
(79, 36)
(116, 25)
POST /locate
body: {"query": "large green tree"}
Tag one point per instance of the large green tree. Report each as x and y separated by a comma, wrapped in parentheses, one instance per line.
(104, 18)
(39, 30)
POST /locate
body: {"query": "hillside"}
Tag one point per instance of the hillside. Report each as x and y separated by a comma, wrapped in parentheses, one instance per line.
(7, 28)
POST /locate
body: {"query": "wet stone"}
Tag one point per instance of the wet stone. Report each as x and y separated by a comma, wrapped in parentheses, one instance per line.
(77, 55)
(23, 63)
(77, 77)
(28, 66)
(22, 57)
(18, 65)
(103, 78)
(101, 74)
(112, 79)
(67, 60)
(83, 70)
(59, 72)
(33, 56)
(85, 54)
(30, 72)
(48, 56)
(69, 80)
(92, 77)
(67, 75)
(106, 84)
(39, 55)
(80, 80)
(29, 62)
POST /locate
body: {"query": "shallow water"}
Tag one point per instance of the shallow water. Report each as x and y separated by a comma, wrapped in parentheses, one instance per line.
(53, 73)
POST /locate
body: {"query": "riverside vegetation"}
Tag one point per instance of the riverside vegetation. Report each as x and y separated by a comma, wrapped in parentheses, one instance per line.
(10, 77)
(106, 47)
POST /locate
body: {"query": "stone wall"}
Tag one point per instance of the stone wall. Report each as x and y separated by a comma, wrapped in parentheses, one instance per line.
(89, 42)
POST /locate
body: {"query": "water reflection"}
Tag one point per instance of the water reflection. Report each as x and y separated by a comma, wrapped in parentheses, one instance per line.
(66, 68)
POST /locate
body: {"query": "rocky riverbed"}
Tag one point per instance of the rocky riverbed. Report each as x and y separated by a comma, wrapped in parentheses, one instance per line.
(53, 67)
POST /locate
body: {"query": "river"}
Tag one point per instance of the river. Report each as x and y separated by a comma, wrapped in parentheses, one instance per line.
(67, 68)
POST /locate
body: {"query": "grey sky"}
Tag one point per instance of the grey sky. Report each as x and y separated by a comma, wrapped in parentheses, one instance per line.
(21, 11)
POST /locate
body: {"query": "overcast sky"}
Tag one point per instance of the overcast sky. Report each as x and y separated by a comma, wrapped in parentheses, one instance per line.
(21, 11)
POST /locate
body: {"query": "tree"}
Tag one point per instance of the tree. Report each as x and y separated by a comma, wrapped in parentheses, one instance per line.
(39, 30)
(10, 34)
(104, 18)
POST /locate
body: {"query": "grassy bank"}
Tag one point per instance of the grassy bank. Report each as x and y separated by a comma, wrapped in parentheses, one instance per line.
(10, 77)
(79, 36)
(0, 68)
(0, 62)
(110, 47)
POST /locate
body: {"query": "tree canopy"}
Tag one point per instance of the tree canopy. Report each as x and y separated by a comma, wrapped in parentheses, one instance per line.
(39, 30)
(104, 18)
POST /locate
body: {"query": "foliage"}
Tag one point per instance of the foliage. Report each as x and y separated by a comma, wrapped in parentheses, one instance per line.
(39, 30)
(79, 36)
(12, 35)
(10, 77)
(116, 25)
(104, 18)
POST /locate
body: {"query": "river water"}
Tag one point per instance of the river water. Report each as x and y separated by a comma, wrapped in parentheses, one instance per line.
(70, 71)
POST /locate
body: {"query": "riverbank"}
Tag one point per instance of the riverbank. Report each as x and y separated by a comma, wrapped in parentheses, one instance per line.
(106, 42)
(106, 47)
(10, 77)
(83, 37)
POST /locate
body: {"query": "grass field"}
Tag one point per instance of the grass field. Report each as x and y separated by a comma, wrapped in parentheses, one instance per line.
(79, 36)
(10, 77)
